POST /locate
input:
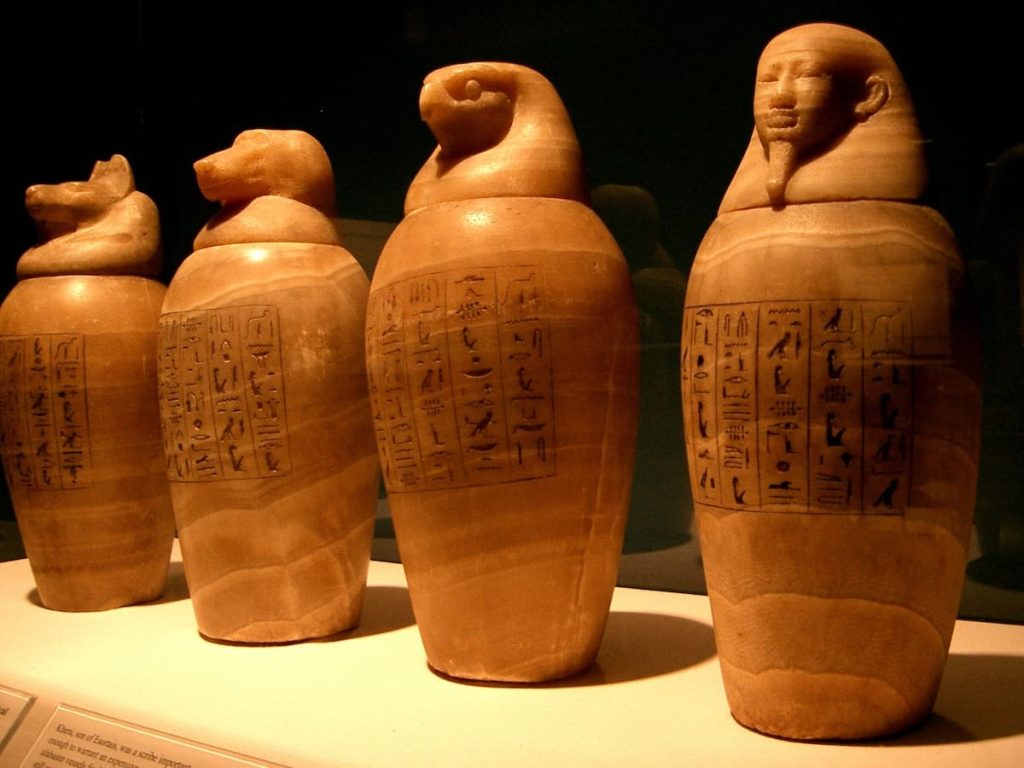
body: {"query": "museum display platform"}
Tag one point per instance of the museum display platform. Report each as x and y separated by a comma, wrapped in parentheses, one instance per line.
(139, 687)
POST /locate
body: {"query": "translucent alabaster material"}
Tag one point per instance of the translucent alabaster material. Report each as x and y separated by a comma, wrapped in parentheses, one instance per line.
(78, 400)
(267, 434)
(501, 350)
(831, 399)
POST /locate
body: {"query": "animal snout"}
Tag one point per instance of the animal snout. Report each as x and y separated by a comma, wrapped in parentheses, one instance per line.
(34, 193)
(209, 174)
(204, 166)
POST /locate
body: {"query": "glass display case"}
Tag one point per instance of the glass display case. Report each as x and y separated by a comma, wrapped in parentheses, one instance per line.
(660, 98)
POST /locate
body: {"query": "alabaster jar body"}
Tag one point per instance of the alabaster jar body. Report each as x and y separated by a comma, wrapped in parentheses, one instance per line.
(501, 347)
(269, 447)
(830, 374)
(82, 438)
(78, 401)
(832, 408)
(263, 400)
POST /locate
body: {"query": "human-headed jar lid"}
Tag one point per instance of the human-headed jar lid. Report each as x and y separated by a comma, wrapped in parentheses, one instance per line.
(833, 121)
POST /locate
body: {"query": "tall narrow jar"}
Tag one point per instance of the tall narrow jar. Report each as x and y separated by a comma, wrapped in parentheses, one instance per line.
(267, 433)
(502, 359)
(80, 432)
(832, 401)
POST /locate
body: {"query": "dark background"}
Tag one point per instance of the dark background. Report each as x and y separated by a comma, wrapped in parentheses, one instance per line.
(660, 96)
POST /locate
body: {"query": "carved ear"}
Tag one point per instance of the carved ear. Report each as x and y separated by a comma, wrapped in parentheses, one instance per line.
(877, 94)
(115, 174)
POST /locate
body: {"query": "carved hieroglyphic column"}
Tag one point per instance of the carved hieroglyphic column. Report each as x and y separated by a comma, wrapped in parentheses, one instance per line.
(224, 400)
(831, 403)
(267, 434)
(814, 400)
(475, 412)
(502, 360)
(79, 424)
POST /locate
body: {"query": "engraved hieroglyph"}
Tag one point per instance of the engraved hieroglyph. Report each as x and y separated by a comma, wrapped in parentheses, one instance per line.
(831, 397)
(44, 413)
(461, 383)
(222, 399)
(802, 407)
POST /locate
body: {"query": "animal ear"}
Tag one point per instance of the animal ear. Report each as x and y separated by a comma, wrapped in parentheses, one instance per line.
(876, 91)
(115, 174)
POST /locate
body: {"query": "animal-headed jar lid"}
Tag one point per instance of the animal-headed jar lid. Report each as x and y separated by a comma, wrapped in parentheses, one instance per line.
(273, 186)
(502, 131)
(101, 226)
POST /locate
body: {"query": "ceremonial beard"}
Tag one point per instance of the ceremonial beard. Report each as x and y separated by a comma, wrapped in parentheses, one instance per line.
(782, 158)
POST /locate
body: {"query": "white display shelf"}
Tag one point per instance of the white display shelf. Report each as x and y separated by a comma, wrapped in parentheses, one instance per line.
(367, 697)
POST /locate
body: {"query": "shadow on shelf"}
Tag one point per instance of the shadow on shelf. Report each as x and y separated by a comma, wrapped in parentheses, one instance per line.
(385, 609)
(11, 547)
(984, 694)
(981, 698)
(636, 646)
(176, 587)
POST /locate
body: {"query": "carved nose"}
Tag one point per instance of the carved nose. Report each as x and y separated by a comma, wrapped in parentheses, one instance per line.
(783, 96)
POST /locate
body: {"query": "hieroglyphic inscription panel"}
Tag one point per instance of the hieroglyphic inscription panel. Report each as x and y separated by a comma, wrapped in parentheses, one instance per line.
(461, 378)
(222, 394)
(44, 435)
(800, 406)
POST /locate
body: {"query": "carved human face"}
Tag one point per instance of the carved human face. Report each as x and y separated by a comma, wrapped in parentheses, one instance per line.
(798, 99)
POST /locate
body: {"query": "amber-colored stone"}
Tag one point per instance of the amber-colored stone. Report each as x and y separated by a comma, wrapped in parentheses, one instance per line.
(78, 396)
(263, 399)
(501, 348)
(831, 396)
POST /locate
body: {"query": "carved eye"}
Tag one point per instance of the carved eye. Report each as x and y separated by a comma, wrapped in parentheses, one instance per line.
(814, 74)
(473, 90)
(252, 135)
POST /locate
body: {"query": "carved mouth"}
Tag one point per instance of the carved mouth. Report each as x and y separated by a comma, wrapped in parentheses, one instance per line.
(782, 118)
